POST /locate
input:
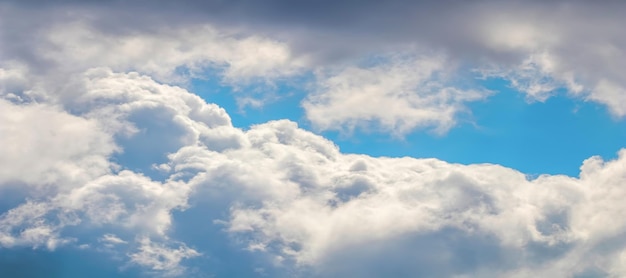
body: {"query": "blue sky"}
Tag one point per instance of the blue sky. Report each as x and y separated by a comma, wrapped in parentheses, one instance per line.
(312, 139)
(535, 137)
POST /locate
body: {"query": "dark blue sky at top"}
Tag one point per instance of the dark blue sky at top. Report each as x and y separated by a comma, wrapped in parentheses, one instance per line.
(551, 137)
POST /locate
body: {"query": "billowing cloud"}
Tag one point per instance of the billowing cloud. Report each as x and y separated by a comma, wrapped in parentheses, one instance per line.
(80, 46)
(162, 258)
(338, 214)
(100, 152)
(413, 91)
(536, 46)
(63, 163)
(295, 196)
(46, 146)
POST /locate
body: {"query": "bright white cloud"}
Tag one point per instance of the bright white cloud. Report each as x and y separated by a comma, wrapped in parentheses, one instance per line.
(398, 95)
(159, 257)
(295, 196)
(347, 203)
(77, 46)
(292, 194)
(112, 239)
(298, 198)
(46, 146)
(127, 199)
(63, 163)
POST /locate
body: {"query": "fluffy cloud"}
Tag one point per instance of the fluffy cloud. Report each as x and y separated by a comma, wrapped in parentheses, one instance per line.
(162, 258)
(536, 46)
(196, 48)
(398, 95)
(107, 158)
(293, 195)
(46, 146)
(335, 213)
(349, 212)
(552, 56)
(66, 165)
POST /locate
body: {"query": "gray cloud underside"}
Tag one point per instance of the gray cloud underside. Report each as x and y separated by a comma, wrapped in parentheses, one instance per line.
(453, 25)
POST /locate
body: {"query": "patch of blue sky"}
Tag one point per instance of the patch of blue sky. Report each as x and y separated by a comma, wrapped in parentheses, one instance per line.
(285, 104)
(67, 262)
(551, 137)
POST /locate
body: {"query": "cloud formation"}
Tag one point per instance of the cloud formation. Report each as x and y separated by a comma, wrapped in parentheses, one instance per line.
(101, 153)
(413, 91)
(537, 46)
(295, 196)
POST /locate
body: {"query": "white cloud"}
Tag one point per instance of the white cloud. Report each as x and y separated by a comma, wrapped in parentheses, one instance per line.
(317, 206)
(13, 81)
(46, 146)
(112, 239)
(573, 48)
(293, 194)
(35, 233)
(159, 257)
(77, 46)
(72, 44)
(399, 198)
(398, 95)
(127, 199)
(298, 197)
(537, 46)
(536, 52)
(612, 94)
(63, 163)
(535, 77)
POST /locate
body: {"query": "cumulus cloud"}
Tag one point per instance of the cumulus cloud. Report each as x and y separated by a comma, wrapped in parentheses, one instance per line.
(398, 96)
(536, 46)
(46, 146)
(61, 160)
(159, 257)
(350, 212)
(293, 195)
(335, 213)
(95, 141)
(80, 46)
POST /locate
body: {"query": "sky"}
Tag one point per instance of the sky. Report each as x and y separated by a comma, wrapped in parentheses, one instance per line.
(312, 138)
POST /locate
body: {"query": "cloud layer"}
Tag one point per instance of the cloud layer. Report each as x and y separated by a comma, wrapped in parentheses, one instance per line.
(295, 196)
(101, 152)
(539, 47)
